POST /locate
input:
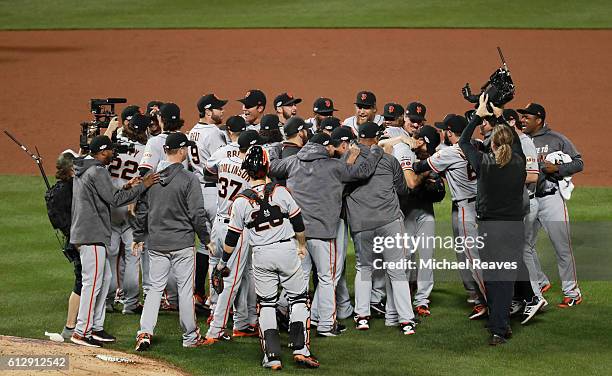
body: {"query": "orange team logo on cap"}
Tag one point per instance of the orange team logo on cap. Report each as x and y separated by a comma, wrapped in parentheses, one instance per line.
(419, 109)
(391, 108)
(289, 96)
(327, 104)
(364, 96)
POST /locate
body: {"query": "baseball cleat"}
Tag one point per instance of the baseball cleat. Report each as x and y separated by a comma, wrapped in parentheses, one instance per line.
(407, 328)
(306, 361)
(570, 302)
(134, 311)
(472, 298)
(378, 308)
(211, 341)
(143, 342)
(362, 323)
(198, 343)
(479, 311)
(85, 341)
(165, 306)
(340, 327)
(103, 336)
(496, 340)
(516, 307)
(545, 288)
(532, 308)
(249, 331)
(423, 310)
(334, 332)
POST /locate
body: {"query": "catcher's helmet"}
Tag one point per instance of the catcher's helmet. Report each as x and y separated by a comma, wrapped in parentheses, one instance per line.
(256, 162)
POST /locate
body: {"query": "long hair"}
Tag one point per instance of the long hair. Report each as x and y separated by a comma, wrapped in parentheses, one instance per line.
(64, 166)
(502, 139)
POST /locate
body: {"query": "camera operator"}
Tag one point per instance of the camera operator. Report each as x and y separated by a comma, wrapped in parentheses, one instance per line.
(500, 209)
(93, 196)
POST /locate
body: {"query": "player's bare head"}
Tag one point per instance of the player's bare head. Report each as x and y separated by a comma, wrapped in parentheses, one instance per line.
(286, 105)
(169, 117)
(532, 117)
(365, 107)
(256, 162)
(427, 140)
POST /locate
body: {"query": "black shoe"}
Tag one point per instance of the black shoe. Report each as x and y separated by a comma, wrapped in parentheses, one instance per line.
(340, 327)
(407, 328)
(378, 308)
(85, 341)
(496, 340)
(531, 308)
(508, 334)
(102, 336)
(334, 332)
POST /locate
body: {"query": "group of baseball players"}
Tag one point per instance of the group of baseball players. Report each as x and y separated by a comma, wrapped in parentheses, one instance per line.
(273, 198)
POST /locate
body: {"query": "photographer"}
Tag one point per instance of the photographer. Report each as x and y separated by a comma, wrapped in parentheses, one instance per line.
(93, 196)
(500, 211)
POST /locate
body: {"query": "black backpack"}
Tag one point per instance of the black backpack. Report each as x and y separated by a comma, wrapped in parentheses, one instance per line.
(59, 205)
(267, 214)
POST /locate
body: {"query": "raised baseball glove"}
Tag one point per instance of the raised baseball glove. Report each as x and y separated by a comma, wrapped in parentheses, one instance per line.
(217, 278)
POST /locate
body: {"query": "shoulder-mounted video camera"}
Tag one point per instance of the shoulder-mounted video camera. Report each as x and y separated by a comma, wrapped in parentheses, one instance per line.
(499, 88)
(103, 110)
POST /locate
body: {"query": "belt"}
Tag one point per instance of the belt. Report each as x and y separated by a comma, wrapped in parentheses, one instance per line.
(544, 194)
(469, 200)
(224, 220)
(280, 241)
(209, 185)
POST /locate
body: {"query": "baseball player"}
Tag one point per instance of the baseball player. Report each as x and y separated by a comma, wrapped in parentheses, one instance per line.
(122, 169)
(317, 180)
(272, 219)
(373, 210)
(418, 210)
(154, 159)
(414, 118)
(393, 115)
(253, 107)
(321, 108)
(551, 209)
(239, 290)
(90, 231)
(365, 110)
(152, 110)
(328, 124)
(270, 129)
(295, 136)
(285, 105)
(208, 138)
(171, 243)
(461, 179)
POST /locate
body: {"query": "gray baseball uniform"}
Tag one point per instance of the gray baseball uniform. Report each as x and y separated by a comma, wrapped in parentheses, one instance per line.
(462, 184)
(178, 196)
(275, 260)
(239, 290)
(419, 221)
(352, 122)
(552, 213)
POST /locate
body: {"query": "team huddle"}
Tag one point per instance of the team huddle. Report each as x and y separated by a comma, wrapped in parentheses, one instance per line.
(273, 199)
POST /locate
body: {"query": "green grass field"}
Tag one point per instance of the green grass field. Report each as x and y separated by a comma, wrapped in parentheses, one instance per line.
(90, 14)
(35, 280)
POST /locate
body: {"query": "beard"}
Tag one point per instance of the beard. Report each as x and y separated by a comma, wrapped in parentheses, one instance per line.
(216, 119)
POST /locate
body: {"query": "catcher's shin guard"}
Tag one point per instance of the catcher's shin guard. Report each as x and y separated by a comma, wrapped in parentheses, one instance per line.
(297, 339)
(271, 344)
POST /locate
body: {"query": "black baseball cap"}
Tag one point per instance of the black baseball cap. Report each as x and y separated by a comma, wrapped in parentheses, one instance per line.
(416, 111)
(453, 123)
(330, 123)
(236, 123)
(140, 122)
(286, 99)
(510, 114)
(393, 111)
(534, 109)
(100, 143)
(365, 99)
(177, 140)
(431, 137)
(253, 98)
(323, 106)
(128, 112)
(342, 134)
(369, 129)
(321, 139)
(152, 104)
(170, 111)
(210, 102)
(250, 138)
(269, 122)
(294, 125)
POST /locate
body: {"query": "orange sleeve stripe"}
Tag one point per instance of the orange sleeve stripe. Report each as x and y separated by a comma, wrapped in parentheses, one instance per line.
(295, 212)
(235, 229)
(432, 166)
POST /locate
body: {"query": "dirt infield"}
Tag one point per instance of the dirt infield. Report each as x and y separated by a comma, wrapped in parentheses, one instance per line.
(48, 76)
(82, 360)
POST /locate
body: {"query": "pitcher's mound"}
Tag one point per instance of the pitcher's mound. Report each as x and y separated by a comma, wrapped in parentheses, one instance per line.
(83, 360)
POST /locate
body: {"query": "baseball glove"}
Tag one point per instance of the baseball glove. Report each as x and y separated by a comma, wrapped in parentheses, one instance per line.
(217, 278)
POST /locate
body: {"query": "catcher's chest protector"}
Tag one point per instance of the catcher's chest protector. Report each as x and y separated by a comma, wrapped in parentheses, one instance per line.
(267, 213)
